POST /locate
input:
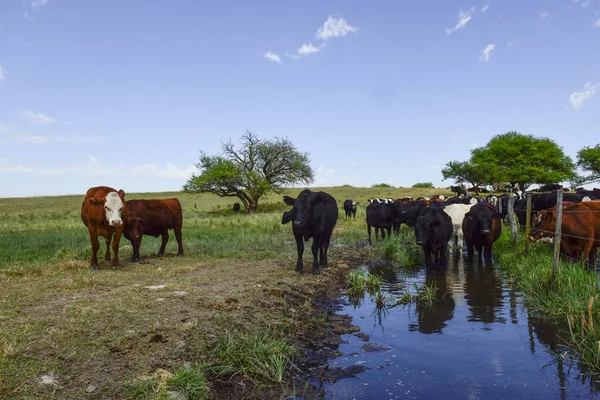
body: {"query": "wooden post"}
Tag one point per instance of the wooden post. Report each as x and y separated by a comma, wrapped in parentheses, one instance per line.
(527, 223)
(499, 205)
(514, 231)
(559, 212)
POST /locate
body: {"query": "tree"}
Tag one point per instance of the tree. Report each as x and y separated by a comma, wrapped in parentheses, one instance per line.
(467, 171)
(423, 185)
(259, 167)
(588, 159)
(524, 159)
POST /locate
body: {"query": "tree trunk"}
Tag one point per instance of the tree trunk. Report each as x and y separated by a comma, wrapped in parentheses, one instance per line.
(253, 206)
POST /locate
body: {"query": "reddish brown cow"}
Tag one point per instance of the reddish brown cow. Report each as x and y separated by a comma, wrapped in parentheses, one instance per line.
(481, 227)
(153, 217)
(101, 212)
(580, 232)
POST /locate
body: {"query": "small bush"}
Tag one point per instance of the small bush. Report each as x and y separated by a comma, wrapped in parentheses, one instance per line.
(382, 186)
(423, 185)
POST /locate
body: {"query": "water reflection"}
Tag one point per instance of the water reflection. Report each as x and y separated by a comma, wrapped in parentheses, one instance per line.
(432, 318)
(483, 293)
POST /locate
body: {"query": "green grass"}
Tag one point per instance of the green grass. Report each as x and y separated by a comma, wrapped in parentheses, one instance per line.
(425, 294)
(572, 298)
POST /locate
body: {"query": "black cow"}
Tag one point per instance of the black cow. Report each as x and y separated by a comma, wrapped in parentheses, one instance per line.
(481, 228)
(409, 213)
(236, 207)
(350, 208)
(460, 200)
(593, 194)
(314, 215)
(549, 187)
(544, 201)
(458, 190)
(433, 230)
(382, 217)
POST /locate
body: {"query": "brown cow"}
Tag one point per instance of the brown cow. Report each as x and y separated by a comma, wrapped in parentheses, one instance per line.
(153, 217)
(580, 232)
(482, 226)
(101, 212)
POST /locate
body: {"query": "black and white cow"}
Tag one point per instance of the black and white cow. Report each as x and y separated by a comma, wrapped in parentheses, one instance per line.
(350, 208)
(314, 215)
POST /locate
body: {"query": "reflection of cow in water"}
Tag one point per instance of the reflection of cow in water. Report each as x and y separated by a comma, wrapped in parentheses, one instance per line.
(432, 318)
(483, 292)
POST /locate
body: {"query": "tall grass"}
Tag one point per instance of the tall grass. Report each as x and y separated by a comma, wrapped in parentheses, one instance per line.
(571, 298)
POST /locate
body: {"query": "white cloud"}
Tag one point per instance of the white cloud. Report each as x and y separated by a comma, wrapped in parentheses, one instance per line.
(307, 49)
(485, 8)
(39, 3)
(464, 16)
(487, 52)
(578, 98)
(29, 17)
(543, 14)
(96, 169)
(38, 119)
(582, 3)
(273, 57)
(335, 27)
(2, 73)
(597, 24)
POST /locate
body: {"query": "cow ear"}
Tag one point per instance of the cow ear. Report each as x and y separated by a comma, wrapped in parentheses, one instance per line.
(96, 201)
(288, 200)
(121, 193)
(287, 217)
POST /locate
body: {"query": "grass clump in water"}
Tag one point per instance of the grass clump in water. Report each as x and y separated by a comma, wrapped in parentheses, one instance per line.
(360, 281)
(425, 294)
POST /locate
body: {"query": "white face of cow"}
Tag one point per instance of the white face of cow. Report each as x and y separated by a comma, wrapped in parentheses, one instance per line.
(113, 206)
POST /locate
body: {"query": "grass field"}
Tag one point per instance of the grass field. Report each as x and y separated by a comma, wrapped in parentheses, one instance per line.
(68, 332)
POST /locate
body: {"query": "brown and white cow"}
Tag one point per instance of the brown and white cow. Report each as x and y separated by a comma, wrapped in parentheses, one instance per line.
(101, 212)
(153, 218)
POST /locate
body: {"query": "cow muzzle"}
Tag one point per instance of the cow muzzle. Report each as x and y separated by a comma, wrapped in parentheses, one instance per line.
(116, 223)
(419, 243)
(485, 231)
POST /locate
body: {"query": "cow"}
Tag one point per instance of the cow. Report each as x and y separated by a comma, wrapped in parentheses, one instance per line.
(236, 207)
(457, 215)
(381, 200)
(314, 215)
(382, 217)
(350, 208)
(592, 194)
(433, 230)
(153, 218)
(458, 190)
(481, 226)
(544, 201)
(580, 231)
(549, 187)
(462, 200)
(101, 212)
(409, 213)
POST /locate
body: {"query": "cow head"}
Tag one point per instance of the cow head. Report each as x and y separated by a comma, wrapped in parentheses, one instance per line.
(113, 204)
(423, 228)
(134, 227)
(304, 205)
(543, 226)
(481, 218)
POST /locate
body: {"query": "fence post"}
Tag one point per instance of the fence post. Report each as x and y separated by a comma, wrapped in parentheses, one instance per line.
(527, 223)
(559, 212)
(514, 231)
(499, 205)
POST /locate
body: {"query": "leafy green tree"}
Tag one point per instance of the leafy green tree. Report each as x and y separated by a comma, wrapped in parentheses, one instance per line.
(524, 159)
(382, 185)
(257, 168)
(588, 159)
(467, 171)
(423, 185)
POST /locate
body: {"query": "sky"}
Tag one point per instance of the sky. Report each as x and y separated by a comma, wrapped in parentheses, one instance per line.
(126, 93)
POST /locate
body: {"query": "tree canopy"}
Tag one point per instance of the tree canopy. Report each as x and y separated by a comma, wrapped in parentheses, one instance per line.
(523, 159)
(258, 167)
(588, 159)
(466, 171)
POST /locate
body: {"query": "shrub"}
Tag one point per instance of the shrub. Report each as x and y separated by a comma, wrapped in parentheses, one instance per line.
(423, 185)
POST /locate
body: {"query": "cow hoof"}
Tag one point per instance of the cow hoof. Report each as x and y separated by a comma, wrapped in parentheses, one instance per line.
(94, 268)
(300, 272)
(317, 272)
(116, 268)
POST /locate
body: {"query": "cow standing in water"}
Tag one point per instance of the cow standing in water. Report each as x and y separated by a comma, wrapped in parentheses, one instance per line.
(101, 212)
(153, 218)
(433, 231)
(314, 215)
(481, 226)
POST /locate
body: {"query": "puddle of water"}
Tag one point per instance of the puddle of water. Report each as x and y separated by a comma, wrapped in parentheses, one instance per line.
(477, 341)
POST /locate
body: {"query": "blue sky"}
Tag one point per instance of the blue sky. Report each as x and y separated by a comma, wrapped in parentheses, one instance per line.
(126, 93)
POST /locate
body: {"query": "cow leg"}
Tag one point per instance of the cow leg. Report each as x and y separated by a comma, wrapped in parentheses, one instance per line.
(107, 253)
(300, 248)
(315, 252)
(165, 239)
(95, 246)
(354, 213)
(487, 253)
(389, 232)
(136, 249)
(593, 258)
(470, 252)
(177, 231)
(427, 255)
(115, 247)
(442, 250)
(369, 230)
(324, 248)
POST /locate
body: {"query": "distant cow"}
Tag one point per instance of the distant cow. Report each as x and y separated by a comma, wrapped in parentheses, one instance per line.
(314, 215)
(236, 207)
(350, 208)
(409, 213)
(153, 218)
(101, 213)
(458, 190)
(549, 187)
(482, 226)
(432, 232)
(382, 217)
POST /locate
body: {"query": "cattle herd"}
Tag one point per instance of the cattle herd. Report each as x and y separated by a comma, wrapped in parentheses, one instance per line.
(438, 222)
